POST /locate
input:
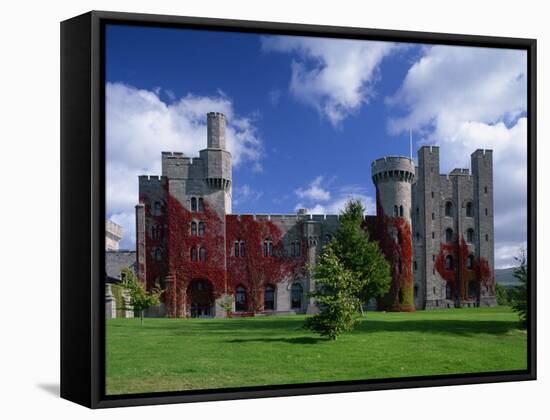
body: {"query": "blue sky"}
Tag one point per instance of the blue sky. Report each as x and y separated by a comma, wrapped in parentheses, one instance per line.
(307, 116)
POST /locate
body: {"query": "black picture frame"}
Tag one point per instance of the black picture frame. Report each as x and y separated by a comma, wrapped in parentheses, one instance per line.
(83, 207)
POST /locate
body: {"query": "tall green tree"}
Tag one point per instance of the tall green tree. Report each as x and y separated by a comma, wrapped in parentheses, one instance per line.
(140, 298)
(518, 294)
(361, 256)
(336, 296)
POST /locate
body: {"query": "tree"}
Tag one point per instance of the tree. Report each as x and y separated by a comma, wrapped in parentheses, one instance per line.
(518, 294)
(501, 293)
(140, 298)
(336, 296)
(361, 256)
(227, 302)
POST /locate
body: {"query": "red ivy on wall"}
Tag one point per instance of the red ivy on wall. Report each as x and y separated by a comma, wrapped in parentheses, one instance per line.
(254, 270)
(458, 275)
(395, 239)
(181, 269)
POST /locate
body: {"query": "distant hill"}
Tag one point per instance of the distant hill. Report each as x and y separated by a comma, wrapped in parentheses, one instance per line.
(505, 277)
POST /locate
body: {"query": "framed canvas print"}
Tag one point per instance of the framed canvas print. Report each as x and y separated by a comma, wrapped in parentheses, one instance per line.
(255, 209)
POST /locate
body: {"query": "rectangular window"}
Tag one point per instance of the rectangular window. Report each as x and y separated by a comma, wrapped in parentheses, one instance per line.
(433, 235)
(433, 216)
(486, 211)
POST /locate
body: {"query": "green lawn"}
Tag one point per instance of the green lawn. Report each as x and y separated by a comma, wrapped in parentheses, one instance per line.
(182, 354)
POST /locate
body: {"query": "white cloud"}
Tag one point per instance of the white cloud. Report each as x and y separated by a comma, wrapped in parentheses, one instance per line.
(139, 125)
(314, 191)
(245, 194)
(335, 76)
(322, 201)
(463, 99)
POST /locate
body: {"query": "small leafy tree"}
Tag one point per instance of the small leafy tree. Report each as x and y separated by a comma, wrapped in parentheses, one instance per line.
(140, 299)
(336, 296)
(227, 302)
(361, 256)
(518, 294)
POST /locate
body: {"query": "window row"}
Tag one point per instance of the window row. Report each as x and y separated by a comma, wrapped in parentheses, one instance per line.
(449, 210)
(449, 235)
(197, 204)
(398, 211)
(296, 297)
(201, 254)
(240, 249)
(449, 263)
(197, 228)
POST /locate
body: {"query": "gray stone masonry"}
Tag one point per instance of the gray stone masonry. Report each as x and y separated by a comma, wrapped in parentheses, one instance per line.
(422, 191)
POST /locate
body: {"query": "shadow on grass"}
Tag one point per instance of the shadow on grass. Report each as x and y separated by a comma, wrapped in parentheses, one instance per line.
(261, 327)
(294, 340)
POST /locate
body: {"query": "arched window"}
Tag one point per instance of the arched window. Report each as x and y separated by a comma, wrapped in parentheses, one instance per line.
(243, 248)
(236, 248)
(415, 265)
(328, 238)
(193, 228)
(202, 254)
(269, 298)
(395, 211)
(399, 237)
(469, 209)
(155, 232)
(193, 254)
(418, 236)
(201, 204)
(157, 254)
(296, 295)
(401, 211)
(448, 235)
(470, 235)
(449, 262)
(240, 299)
(157, 209)
(201, 228)
(448, 209)
(295, 249)
(268, 248)
(193, 204)
(416, 290)
(448, 292)
(470, 262)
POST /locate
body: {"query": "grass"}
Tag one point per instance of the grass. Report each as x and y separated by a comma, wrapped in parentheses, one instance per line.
(184, 354)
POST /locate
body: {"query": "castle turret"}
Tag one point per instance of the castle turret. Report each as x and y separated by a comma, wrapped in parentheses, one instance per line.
(393, 177)
(217, 163)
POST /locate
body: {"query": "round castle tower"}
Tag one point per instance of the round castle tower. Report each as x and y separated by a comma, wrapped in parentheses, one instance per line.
(393, 177)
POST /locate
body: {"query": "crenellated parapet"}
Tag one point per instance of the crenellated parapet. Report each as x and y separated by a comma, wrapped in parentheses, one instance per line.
(393, 168)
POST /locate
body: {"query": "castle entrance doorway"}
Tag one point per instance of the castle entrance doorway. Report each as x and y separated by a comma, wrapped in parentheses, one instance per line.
(200, 298)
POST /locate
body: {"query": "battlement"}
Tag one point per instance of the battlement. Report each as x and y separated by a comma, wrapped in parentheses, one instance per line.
(449, 176)
(393, 168)
(287, 217)
(150, 179)
(429, 149)
(215, 114)
(483, 153)
(173, 154)
(460, 171)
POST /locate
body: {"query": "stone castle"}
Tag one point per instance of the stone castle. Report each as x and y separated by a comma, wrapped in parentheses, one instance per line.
(435, 230)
